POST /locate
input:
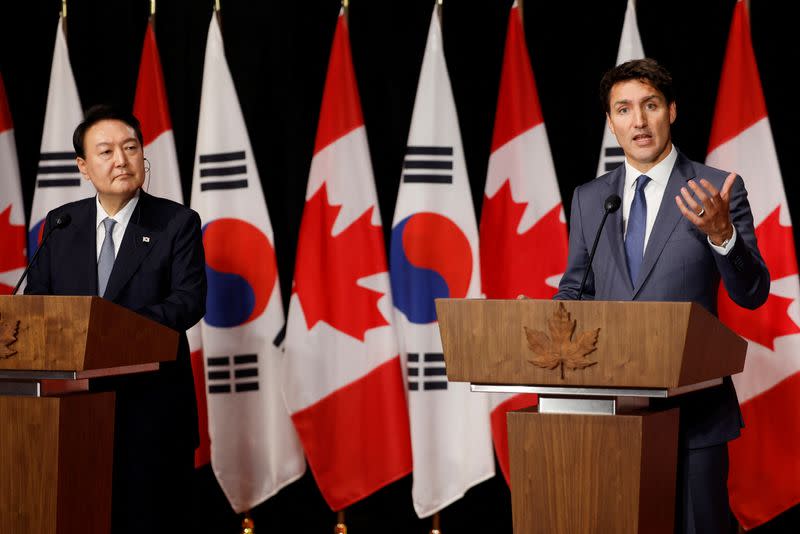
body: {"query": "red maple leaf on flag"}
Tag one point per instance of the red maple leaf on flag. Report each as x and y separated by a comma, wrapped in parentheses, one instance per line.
(12, 243)
(516, 264)
(329, 267)
(771, 320)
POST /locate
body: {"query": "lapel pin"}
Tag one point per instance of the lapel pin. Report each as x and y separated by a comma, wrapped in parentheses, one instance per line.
(145, 239)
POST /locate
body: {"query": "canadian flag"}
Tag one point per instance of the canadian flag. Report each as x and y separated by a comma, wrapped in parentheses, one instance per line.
(344, 382)
(254, 448)
(630, 47)
(12, 214)
(151, 108)
(764, 477)
(522, 232)
(58, 180)
(434, 253)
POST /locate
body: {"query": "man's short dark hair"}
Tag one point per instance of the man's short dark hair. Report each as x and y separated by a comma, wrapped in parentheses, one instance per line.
(645, 70)
(101, 112)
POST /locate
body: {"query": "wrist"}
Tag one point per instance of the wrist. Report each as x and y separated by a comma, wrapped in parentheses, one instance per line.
(723, 237)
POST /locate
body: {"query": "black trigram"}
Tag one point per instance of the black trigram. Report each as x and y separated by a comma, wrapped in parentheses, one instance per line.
(613, 157)
(226, 170)
(430, 373)
(58, 169)
(428, 164)
(237, 374)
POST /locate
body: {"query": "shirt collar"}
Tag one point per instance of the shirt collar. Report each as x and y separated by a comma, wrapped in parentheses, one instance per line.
(122, 217)
(659, 173)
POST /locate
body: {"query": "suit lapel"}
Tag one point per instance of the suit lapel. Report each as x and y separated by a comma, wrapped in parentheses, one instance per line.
(82, 257)
(616, 182)
(667, 219)
(137, 243)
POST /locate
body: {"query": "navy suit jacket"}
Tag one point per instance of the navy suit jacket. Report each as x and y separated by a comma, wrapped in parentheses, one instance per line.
(159, 272)
(678, 265)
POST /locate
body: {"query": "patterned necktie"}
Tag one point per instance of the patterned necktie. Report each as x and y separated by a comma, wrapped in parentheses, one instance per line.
(637, 224)
(106, 261)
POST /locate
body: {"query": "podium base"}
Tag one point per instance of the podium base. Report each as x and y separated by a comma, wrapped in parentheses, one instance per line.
(581, 474)
(56, 455)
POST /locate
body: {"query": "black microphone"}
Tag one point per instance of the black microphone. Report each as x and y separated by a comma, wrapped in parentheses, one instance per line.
(61, 222)
(611, 205)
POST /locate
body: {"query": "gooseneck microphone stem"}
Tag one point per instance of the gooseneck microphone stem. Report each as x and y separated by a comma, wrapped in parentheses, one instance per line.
(61, 222)
(611, 205)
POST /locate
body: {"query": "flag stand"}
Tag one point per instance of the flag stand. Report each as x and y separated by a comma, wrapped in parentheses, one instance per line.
(340, 527)
(436, 524)
(248, 526)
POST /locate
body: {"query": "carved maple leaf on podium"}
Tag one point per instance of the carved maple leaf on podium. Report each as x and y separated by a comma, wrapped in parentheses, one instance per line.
(8, 336)
(558, 349)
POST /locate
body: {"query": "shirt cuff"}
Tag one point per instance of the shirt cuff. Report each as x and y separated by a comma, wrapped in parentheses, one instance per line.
(728, 246)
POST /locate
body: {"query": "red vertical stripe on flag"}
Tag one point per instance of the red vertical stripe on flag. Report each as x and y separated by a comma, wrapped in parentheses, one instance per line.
(367, 450)
(740, 100)
(519, 109)
(761, 494)
(341, 110)
(150, 106)
(5, 114)
(202, 454)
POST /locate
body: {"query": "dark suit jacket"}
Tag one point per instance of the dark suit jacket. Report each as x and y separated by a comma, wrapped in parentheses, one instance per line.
(161, 277)
(678, 265)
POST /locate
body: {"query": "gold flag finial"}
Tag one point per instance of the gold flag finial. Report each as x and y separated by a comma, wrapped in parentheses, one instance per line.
(152, 7)
(340, 527)
(248, 526)
(64, 8)
(436, 524)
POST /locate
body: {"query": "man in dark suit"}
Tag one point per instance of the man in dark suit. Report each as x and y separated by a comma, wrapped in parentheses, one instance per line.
(681, 229)
(146, 254)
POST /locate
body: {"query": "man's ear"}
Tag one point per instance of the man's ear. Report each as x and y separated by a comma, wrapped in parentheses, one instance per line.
(673, 112)
(82, 167)
(610, 124)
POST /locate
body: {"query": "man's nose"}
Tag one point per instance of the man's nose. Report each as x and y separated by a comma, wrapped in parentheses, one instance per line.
(639, 118)
(120, 159)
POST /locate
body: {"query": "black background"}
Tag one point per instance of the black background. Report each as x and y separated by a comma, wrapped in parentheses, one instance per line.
(278, 53)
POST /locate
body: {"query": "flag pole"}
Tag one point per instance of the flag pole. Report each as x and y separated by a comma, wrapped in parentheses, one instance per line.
(248, 526)
(436, 520)
(340, 527)
(439, 9)
(346, 7)
(218, 13)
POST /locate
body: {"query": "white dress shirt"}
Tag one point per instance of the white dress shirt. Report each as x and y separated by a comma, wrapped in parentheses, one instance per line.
(122, 217)
(654, 195)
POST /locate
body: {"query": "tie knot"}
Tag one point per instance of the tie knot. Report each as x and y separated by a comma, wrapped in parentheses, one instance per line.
(109, 223)
(641, 182)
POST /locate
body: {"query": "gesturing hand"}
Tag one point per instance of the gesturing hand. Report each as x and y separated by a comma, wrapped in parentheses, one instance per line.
(710, 211)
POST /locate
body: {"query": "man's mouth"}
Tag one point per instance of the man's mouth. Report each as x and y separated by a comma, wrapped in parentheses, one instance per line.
(642, 138)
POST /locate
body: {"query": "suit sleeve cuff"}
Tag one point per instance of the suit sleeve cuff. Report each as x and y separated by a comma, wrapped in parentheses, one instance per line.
(724, 250)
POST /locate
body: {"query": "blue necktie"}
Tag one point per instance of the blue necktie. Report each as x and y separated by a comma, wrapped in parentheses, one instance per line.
(637, 224)
(106, 260)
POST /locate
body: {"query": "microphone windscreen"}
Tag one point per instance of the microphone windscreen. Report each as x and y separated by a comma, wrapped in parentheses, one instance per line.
(612, 203)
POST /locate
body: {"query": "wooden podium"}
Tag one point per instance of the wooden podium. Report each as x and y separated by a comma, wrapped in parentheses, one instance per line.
(592, 458)
(56, 438)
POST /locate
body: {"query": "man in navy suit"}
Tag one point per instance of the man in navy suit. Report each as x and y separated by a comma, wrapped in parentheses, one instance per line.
(152, 263)
(682, 228)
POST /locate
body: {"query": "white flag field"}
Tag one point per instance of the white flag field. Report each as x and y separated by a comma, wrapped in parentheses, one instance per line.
(254, 448)
(58, 180)
(630, 47)
(434, 253)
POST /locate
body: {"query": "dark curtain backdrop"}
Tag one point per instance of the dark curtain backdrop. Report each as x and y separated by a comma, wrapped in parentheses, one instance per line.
(278, 53)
